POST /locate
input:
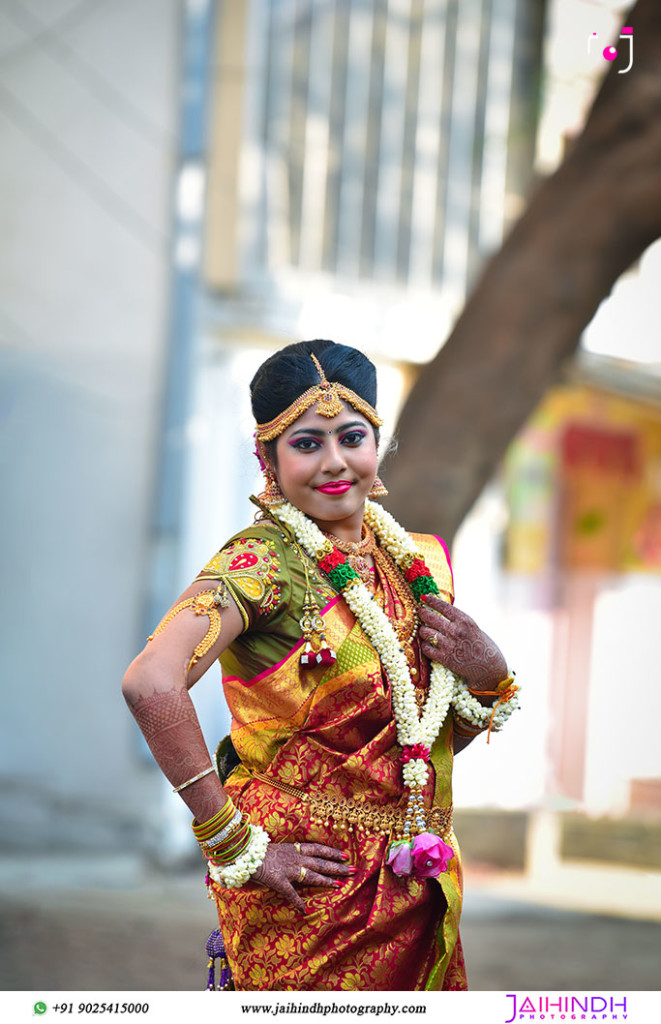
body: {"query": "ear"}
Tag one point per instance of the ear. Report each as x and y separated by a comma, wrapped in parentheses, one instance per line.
(271, 495)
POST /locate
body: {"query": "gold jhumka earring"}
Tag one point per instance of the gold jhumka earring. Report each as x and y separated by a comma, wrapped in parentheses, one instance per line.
(378, 490)
(271, 495)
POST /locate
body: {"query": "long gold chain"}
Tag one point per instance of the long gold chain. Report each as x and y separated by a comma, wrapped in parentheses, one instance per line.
(405, 628)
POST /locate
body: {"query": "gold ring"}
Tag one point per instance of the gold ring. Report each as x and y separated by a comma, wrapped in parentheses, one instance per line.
(302, 873)
(434, 640)
(297, 847)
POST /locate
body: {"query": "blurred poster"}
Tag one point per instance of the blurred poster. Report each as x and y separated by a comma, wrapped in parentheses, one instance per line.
(599, 468)
(583, 484)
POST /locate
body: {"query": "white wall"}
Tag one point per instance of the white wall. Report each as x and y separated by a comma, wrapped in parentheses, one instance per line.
(88, 112)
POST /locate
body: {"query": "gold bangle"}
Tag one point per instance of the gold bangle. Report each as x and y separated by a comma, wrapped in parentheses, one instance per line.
(189, 782)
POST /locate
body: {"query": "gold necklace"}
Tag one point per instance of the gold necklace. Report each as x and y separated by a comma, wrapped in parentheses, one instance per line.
(356, 552)
(405, 628)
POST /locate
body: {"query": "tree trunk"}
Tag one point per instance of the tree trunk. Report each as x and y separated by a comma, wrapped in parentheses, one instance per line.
(584, 226)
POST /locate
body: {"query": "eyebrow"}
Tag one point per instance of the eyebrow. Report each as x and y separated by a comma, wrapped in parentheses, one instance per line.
(322, 433)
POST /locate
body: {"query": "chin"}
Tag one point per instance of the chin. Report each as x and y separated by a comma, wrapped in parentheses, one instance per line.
(340, 507)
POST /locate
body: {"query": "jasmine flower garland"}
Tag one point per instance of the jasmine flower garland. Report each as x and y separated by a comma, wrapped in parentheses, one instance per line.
(411, 729)
(236, 874)
(416, 732)
(471, 710)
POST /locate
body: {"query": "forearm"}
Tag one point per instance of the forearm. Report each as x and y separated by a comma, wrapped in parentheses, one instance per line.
(168, 721)
(460, 743)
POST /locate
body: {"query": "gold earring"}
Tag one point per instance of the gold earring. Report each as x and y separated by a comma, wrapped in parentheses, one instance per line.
(271, 495)
(378, 489)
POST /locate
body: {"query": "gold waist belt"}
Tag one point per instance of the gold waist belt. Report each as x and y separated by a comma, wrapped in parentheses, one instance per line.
(360, 814)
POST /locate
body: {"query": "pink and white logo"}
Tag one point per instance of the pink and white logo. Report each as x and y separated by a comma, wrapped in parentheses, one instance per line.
(565, 1007)
(610, 52)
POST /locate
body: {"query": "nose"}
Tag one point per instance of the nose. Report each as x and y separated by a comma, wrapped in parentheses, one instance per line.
(333, 461)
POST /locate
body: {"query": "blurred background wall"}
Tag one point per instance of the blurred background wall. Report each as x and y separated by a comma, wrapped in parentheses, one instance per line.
(89, 109)
(188, 186)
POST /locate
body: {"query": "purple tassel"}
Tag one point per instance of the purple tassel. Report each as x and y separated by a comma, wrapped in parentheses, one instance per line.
(216, 951)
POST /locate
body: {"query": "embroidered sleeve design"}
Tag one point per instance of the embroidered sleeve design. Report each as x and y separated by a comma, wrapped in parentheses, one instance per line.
(250, 570)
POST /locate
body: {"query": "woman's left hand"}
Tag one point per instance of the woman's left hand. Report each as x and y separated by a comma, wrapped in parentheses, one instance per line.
(453, 638)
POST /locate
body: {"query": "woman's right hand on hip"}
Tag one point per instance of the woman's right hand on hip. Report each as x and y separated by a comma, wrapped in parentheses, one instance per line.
(287, 866)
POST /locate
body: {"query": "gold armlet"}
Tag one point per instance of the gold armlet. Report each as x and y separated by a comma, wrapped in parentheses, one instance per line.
(207, 602)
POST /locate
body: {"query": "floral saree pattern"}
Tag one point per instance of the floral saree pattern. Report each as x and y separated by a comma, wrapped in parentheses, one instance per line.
(303, 733)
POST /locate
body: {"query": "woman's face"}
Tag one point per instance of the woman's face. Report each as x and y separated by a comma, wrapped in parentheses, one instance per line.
(326, 468)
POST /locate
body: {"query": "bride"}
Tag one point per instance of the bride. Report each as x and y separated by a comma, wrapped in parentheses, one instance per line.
(351, 679)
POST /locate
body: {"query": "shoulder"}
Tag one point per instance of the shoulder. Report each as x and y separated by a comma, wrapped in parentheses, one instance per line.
(251, 565)
(435, 552)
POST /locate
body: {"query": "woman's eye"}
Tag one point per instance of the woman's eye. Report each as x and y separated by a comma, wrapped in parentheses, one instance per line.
(354, 437)
(306, 444)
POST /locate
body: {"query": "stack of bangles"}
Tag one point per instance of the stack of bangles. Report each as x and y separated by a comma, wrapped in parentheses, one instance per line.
(233, 847)
(471, 717)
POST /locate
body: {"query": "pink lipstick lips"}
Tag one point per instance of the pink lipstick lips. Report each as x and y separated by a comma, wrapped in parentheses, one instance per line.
(338, 487)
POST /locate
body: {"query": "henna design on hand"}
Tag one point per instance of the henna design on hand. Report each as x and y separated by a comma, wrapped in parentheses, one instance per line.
(281, 869)
(461, 645)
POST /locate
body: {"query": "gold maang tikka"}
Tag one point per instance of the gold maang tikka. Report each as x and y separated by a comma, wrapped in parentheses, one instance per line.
(328, 398)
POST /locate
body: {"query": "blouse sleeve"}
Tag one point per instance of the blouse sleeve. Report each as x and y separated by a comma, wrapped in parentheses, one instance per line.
(250, 566)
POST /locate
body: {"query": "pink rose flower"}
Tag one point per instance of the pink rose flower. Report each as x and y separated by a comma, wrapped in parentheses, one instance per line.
(415, 751)
(399, 857)
(429, 855)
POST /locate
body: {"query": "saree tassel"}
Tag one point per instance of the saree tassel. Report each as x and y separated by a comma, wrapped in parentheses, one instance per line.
(216, 951)
(308, 656)
(225, 976)
(326, 655)
(312, 627)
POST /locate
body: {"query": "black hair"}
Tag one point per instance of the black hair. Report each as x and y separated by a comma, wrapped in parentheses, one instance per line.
(285, 375)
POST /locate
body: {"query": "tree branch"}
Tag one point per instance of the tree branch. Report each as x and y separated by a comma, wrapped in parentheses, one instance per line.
(584, 226)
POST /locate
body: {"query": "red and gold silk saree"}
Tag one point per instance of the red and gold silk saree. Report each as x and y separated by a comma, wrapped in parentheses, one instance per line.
(327, 732)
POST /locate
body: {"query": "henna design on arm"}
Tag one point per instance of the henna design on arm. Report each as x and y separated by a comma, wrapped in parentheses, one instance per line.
(169, 724)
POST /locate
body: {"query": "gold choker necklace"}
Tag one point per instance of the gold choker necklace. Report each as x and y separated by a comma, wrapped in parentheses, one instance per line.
(356, 552)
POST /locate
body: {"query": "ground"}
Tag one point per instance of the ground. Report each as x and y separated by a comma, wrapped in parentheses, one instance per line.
(86, 925)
